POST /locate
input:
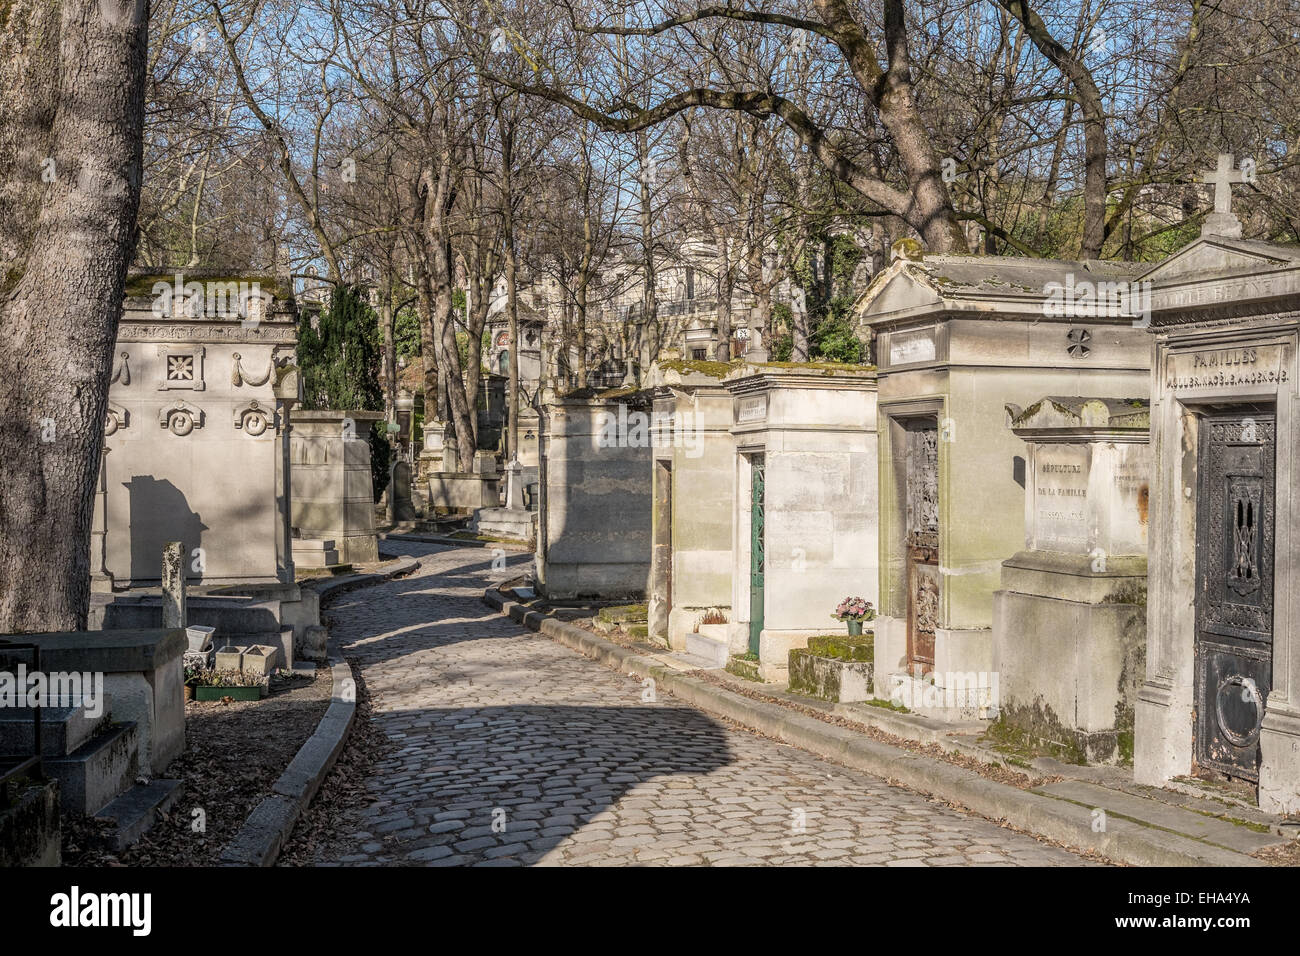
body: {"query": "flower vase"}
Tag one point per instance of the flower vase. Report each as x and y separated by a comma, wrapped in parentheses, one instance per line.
(855, 628)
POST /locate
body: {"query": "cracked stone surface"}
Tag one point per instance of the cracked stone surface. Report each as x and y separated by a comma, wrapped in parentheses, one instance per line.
(509, 749)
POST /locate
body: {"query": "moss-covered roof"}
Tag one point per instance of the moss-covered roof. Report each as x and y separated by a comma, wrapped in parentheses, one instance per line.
(140, 282)
(701, 367)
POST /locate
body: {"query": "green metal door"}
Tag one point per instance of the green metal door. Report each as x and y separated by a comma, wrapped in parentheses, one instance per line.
(756, 562)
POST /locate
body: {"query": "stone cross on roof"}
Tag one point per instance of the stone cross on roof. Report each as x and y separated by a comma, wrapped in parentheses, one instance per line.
(1222, 222)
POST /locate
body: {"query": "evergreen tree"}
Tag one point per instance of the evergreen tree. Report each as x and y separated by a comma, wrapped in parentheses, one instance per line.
(340, 359)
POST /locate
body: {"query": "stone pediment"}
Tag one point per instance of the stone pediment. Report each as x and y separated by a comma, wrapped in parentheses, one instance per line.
(988, 286)
(1208, 257)
(1058, 414)
(898, 289)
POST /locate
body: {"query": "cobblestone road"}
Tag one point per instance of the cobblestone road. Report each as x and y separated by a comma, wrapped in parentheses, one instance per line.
(511, 749)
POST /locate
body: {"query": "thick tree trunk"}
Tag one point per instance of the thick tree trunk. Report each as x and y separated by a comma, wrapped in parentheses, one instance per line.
(72, 77)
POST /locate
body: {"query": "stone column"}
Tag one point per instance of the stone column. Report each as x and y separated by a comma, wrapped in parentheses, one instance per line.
(101, 579)
(173, 584)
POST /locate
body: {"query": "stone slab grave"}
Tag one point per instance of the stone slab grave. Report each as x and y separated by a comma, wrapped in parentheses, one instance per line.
(693, 492)
(1220, 697)
(512, 521)
(593, 537)
(956, 338)
(805, 503)
(98, 746)
(332, 490)
(834, 668)
(1069, 623)
(463, 487)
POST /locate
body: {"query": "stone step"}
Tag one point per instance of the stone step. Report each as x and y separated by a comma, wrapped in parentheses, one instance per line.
(63, 729)
(132, 814)
(707, 648)
(938, 703)
(682, 661)
(1156, 813)
(312, 553)
(98, 770)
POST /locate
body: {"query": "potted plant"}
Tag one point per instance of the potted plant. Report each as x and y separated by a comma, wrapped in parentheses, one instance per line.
(193, 674)
(853, 611)
(218, 685)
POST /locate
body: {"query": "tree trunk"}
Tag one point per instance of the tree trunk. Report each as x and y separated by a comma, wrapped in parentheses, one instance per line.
(722, 348)
(432, 386)
(388, 325)
(1094, 123)
(73, 79)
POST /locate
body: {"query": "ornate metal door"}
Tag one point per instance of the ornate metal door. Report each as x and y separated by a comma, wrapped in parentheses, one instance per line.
(922, 544)
(756, 556)
(1234, 605)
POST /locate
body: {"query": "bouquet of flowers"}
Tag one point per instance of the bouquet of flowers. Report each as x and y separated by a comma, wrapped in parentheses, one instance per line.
(855, 609)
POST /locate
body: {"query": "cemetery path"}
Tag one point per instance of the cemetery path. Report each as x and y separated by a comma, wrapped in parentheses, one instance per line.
(506, 748)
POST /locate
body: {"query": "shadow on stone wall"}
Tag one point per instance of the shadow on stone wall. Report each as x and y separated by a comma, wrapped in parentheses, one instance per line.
(160, 513)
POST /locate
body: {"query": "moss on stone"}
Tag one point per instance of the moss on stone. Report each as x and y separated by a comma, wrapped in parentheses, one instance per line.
(624, 614)
(745, 666)
(844, 647)
(699, 366)
(140, 284)
(1133, 592)
(827, 368)
(887, 705)
(1030, 732)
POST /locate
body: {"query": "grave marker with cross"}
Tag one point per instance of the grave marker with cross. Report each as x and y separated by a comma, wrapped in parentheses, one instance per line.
(1222, 222)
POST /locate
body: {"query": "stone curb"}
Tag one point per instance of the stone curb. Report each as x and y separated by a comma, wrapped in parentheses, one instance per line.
(263, 835)
(328, 587)
(1071, 824)
(264, 832)
(460, 542)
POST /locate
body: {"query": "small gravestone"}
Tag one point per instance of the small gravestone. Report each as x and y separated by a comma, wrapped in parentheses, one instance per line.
(173, 584)
(400, 492)
(515, 485)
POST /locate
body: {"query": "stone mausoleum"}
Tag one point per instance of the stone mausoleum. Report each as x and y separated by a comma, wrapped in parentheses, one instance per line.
(1069, 623)
(197, 437)
(1221, 696)
(197, 451)
(694, 504)
(804, 535)
(956, 339)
